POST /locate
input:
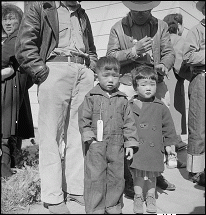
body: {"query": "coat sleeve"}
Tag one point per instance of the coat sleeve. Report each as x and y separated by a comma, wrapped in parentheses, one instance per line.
(92, 48)
(28, 41)
(194, 48)
(167, 51)
(115, 48)
(85, 119)
(168, 128)
(131, 138)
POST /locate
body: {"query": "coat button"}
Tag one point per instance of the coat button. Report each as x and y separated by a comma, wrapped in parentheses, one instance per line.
(14, 86)
(141, 125)
(152, 144)
(154, 128)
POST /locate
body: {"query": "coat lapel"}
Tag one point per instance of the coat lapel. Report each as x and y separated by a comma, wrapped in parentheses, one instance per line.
(52, 17)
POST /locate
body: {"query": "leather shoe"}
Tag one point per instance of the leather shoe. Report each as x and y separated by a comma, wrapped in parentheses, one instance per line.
(77, 198)
(164, 184)
(60, 208)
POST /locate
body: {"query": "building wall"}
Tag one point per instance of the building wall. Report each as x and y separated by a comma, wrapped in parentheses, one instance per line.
(104, 14)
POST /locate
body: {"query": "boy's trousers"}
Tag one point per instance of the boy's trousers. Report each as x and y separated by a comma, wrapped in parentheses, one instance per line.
(104, 176)
(59, 98)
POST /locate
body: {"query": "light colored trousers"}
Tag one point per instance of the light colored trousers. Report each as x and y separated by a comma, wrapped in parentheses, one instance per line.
(59, 97)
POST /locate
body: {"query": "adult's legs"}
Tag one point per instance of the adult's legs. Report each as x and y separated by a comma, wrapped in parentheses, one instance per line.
(73, 175)
(54, 95)
(196, 126)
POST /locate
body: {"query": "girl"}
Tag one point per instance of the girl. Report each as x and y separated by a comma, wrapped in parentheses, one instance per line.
(153, 120)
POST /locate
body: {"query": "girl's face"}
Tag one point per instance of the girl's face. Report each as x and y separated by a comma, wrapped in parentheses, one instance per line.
(10, 23)
(108, 78)
(146, 88)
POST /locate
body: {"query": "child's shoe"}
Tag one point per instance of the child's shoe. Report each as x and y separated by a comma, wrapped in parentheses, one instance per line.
(151, 203)
(138, 203)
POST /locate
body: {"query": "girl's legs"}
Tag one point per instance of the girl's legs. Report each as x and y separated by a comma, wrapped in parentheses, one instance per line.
(138, 197)
(150, 197)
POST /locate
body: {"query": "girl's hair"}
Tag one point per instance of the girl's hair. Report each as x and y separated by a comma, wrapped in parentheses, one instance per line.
(143, 72)
(172, 20)
(110, 62)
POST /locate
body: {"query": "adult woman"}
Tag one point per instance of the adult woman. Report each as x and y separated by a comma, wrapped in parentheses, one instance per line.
(16, 111)
(175, 83)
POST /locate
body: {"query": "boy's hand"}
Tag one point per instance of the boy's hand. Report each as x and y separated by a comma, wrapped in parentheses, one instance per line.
(129, 153)
(170, 151)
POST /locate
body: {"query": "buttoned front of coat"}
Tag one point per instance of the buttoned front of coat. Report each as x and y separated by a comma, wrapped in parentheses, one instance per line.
(155, 129)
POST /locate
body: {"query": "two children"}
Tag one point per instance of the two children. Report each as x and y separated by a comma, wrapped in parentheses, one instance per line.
(107, 125)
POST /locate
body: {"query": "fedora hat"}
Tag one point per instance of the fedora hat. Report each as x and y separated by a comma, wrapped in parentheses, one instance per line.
(199, 5)
(141, 5)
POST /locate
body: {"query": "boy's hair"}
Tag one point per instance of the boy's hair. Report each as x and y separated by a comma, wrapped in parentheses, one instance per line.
(143, 72)
(109, 62)
(172, 20)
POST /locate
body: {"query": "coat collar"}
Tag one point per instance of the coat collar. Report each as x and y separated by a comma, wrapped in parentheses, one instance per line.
(97, 90)
(14, 34)
(137, 110)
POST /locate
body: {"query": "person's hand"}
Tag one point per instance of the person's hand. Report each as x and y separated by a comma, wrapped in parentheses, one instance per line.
(143, 45)
(129, 153)
(6, 72)
(161, 69)
(170, 151)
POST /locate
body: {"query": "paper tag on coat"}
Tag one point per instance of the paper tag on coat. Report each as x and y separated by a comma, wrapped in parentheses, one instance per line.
(99, 130)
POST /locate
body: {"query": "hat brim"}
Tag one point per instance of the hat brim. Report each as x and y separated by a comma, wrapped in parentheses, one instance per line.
(140, 6)
(200, 5)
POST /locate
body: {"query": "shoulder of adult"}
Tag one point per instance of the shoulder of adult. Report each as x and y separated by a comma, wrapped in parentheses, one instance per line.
(163, 23)
(117, 24)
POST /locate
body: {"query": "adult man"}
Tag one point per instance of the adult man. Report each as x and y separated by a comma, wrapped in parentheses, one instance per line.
(194, 55)
(55, 46)
(139, 38)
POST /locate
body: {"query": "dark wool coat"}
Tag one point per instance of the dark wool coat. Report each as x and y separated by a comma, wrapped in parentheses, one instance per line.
(15, 104)
(153, 122)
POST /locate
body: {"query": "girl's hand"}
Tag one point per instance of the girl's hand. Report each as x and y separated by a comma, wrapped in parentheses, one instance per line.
(6, 72)
(170, 151)
(129, 153)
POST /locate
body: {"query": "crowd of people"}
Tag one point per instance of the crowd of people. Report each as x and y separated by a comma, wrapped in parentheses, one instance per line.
(117, 118)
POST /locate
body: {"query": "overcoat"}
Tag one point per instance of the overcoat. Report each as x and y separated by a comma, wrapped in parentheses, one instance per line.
(156, 130)
(15, 104)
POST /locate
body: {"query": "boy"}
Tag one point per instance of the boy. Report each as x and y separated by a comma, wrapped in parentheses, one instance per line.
(107, 125)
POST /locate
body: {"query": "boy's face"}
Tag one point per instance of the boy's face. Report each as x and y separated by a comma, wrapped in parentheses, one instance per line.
(146, 88)
(108, 77)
